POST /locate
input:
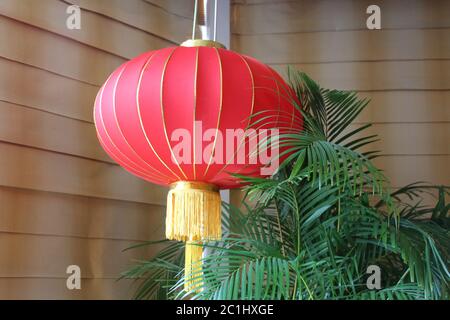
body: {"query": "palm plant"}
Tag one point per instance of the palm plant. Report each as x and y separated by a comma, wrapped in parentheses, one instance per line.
(314, 227)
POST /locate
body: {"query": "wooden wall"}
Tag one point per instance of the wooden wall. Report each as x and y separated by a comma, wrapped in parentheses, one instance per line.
(404, 68)
(63, 201)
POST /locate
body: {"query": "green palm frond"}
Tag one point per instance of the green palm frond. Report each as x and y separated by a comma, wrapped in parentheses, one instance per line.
(326, 143)
(314, 227)
(156, 276)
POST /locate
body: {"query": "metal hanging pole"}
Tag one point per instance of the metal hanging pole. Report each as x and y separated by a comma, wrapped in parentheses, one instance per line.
(207, 20)
(215, 20)
(194, 24)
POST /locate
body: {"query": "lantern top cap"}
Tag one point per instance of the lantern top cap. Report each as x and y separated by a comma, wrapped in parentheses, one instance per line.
(202, 43)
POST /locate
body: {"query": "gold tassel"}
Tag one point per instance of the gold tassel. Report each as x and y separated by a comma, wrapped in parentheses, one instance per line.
(193, 214)
(192, 266)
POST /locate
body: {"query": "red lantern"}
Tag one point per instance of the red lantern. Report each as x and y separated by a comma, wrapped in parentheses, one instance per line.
(197, 88)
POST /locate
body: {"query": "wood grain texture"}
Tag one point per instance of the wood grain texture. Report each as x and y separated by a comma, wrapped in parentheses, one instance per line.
(55, 288)
(378, 76)
(96, 30)
(32, 168)
(55, 53)
(44, 90)
(35, 128)
(55, 214)
(97, 258)
(176, 7)
(409, 138)
(143, 15)
(279, 16)
(418, 106)
(406, 169)
(332, 46)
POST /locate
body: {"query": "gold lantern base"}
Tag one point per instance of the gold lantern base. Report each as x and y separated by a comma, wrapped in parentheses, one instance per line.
(193, 215)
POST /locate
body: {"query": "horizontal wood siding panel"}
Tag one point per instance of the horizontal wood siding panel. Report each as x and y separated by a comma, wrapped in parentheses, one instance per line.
(403, 170)
(97, 258)
(385, 75)
(175, 7)
(262, 16)
(153, 19)
(408, 138)
(47, 131)
(40, 89)
(406, 106)
(55, 288)
(55, 53)
(55, 214)
(36, 169)
(96, 30)
(363, 45)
